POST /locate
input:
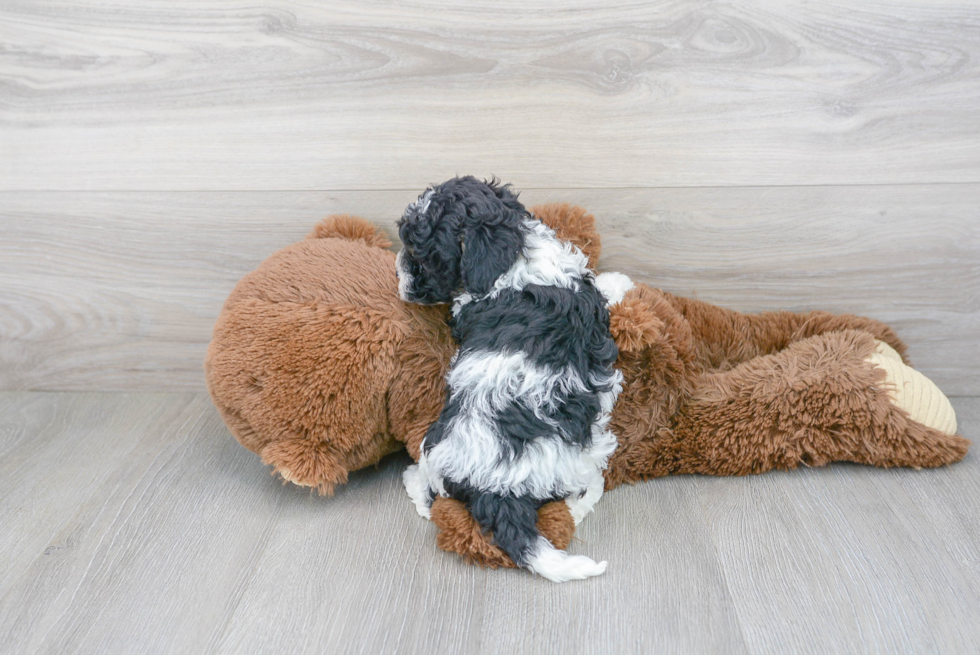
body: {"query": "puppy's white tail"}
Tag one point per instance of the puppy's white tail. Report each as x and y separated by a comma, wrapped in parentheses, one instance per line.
(559, 566)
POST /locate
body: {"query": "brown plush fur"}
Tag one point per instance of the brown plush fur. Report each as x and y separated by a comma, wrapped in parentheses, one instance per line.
(732, 394)
(352, 228)
(317, 366)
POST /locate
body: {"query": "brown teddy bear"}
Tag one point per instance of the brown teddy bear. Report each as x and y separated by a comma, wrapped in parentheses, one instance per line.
(320, 368)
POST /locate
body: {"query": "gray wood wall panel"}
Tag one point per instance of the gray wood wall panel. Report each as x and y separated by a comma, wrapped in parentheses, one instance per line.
(359, 94)
(137, 524)
(113, 290)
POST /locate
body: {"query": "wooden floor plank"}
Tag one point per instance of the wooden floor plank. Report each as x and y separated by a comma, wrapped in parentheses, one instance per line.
(57, 452)
(355, 95)
(358, 572)
(841, 559)
(947, 499)
(183, 542)
(664, 577)
(155, 559)
(119, 291)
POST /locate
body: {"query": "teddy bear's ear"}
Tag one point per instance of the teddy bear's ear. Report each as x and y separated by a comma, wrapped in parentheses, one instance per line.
(573, 224)
(351, 228)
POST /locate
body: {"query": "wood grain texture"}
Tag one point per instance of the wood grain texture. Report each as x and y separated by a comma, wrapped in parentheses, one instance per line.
(141, 526)
(876, 547)
(351, 94)
(120, 291)
(758, 155)
(148, 559)
(843, 562)
(61, 450)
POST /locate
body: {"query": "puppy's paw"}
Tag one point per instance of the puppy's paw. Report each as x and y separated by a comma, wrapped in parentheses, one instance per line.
(582, 506)
(613, 286)
(418, 490)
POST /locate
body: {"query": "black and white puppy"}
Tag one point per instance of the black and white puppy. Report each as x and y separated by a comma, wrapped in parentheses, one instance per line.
(530, 390)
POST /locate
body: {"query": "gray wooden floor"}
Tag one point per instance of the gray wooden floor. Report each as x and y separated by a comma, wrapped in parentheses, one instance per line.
(135, 523)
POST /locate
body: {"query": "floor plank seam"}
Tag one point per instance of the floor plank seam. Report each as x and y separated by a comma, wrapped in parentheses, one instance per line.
(655, 187)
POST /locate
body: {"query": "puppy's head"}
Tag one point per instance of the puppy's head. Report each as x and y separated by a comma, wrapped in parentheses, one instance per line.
(459, 236)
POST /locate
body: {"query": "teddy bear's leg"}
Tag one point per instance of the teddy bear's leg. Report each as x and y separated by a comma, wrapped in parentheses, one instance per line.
(306, 463)
(724, 337)
(841, 396)
(818, 322)
(322, 461)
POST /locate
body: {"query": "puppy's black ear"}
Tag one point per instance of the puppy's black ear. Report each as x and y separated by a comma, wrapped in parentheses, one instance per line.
(492, 238)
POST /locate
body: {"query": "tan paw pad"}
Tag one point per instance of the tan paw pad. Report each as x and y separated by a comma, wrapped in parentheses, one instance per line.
(288, 476)
(913, 392)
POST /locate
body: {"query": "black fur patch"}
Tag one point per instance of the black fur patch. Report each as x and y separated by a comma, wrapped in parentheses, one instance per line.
(553, 326)
(437, 431)
(512, 519)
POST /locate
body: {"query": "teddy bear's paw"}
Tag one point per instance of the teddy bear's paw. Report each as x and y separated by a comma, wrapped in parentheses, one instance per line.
(913, 392)
(291, 477)
(885, 350)
(305, 463)
(634, 324)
